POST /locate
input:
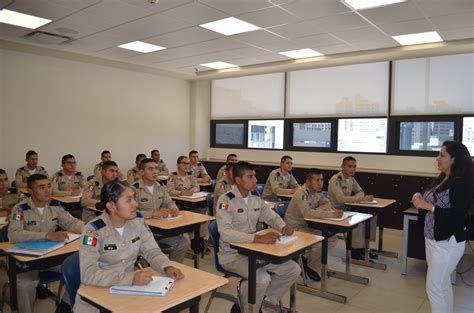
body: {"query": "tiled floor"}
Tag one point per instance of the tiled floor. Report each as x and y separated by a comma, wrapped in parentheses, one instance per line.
(387, 291)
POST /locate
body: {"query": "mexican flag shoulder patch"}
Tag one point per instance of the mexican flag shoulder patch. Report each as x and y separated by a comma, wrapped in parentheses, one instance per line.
(89, 240)
(17, 217)
(223, 206)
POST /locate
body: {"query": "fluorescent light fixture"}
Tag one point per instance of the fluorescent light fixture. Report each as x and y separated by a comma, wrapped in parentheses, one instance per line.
(141, 46)
(218, 65)
(419, 38)
(301, 53)
(230, 26)
(21, 19)
(368, 4)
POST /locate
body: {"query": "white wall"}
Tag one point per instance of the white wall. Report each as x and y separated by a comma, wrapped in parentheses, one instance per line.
(57, 106)
(2, 100)
(200, 117)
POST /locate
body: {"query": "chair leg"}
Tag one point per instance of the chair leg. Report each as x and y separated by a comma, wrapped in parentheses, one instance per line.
(213, 294)
(60, 289)
(303, 272)
(239, 297)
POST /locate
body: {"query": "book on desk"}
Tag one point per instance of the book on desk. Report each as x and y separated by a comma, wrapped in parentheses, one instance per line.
(159, 286)
(196, 195)
(41, 247)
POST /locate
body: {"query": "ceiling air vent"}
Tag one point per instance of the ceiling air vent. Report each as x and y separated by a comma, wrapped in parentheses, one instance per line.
(47, 38)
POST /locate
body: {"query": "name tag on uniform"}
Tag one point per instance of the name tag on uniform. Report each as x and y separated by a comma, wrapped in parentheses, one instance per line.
(54, 219)
(31, 223)
(144, 200)
(62, 183)
(135, 239)
(109, 247)
(160, 198)
(240, 211)
(256, 209)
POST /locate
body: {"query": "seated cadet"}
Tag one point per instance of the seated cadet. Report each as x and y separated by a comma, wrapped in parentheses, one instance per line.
(238, 213)
(104, 157)
(309, 203)
(343, 188)
(68, 182)
(224, 184)
(280, 181)
(162, 169)
(155, 202)
(38, 218)
(231, 158)
(132, 174)
(8, 199)
(91, 192)
(30, 168)
(197, 168)
(111, 243)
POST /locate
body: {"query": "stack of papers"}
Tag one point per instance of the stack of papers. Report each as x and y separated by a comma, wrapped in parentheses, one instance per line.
(285, 239)
(38, 248)
(159, 286)
(196, 195)
(343, 217)
(163, 177)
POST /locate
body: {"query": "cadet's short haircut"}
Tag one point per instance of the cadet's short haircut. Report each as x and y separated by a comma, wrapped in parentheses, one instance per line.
(347, 159)
(104, 153)
(312, 172)
(31, 153)
(31, 180)
(192, 152)
(108, 164)
(284, 158)
(140, 156)
(231, 155)
(145, 162)
(229, 166)
(2, 171)
(180, 159)
(240, 168)
(111, 192)
(153, 151)
(66, 157)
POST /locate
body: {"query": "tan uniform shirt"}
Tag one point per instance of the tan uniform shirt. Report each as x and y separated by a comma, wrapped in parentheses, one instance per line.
(306, 205)
(149, 202)
(98, 172)
(8, 201)
(222, 186)
(61, 182)
(198, 170)
(28, 224)
(162, 169)
(343, 190)
(90, 196)
(177, 183)
(221, 172)
(278, 183)
(22, 174)
(237, 221)
(132, 175)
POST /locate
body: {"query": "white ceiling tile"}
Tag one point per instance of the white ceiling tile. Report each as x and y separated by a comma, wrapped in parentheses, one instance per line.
(375, 44)
(95, 42)
(235, 7)
(340, 21)
(456, 34)
(162, 5)
(257, 37)
(310, 9)
(191, 70)
(399, 12)
(243, 61)
(249, 52)
(147, 58)
(207, 58)
(269, 17)
(224, 44)
(41, 8)
(407, 27)
(170, 64)
(70, 30)
(284, 45)
(119, 52)
(296, 30)
(7, 30)
(74, 4)
(359, 34)
(318, 40)
(195, 13)
(335, 49)
(444, 7)
(274, 57)
(200, 48)
(454, 21)
(184, 37)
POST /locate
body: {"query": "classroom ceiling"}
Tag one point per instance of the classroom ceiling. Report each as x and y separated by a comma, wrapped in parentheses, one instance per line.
(97, 27)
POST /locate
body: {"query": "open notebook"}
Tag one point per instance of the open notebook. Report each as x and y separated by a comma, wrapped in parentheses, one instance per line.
(196, 195)
(159, 286)
(284, 239)
(38, 248)
(345, 215)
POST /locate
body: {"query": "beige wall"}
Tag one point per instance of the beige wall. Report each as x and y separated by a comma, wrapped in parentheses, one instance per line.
(57, 106)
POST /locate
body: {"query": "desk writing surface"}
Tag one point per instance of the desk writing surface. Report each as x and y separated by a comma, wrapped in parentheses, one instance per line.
(381, 203)
(59, 198)
(24, 190)
(204, 184)
(285, 195)
(68, 248)
(280, 250)
(359, 217)
(195, 283)
(183, 199)
(188, 218)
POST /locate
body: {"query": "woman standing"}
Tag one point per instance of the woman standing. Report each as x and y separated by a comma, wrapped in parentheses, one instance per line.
(444, 208)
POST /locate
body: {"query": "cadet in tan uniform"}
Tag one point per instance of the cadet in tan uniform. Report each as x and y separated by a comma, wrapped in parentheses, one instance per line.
(29, 169)
(343, 188)
(104, 157)
(238, 212)
(197, 168)
(38, 218)
(68, 182)
(8, 199)
(132, 174)
(280, 181)
(91, 192)
(162, 169)
(231, 158)
(111, 243)
(223, 185)
(308, 202)
(155, 202)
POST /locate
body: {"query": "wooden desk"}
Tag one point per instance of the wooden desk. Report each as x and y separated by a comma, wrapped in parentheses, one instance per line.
(330, 228)
(276, 254)
(206, 187)
(190, 203)
(285, 197)
(186, 293)
(376, 209)
(46, 261)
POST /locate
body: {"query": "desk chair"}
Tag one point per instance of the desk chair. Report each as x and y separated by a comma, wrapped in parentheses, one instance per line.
(210, 203)
(213, 184)
(72, 276)
(214, 234)
(259, 189)
(324, 193)
(90, 177)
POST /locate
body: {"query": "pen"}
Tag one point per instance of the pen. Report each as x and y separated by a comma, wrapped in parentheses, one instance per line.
(140, 266)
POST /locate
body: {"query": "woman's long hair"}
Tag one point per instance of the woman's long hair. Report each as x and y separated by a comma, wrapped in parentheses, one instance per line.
(111, 192)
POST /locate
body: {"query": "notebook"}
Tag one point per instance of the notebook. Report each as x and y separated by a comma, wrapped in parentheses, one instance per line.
(38, 248)
(196, 195)
(159, 286)
(368, 202)
(343, 217)
(285, 239)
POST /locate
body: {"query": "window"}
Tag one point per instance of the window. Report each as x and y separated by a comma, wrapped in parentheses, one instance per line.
(362, 135)
(316, 135)
(468, 134)
(228, 133)
(425, 136)
(266, 134)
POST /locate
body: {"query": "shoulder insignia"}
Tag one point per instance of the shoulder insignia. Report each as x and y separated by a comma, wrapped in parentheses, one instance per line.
(199, 164)
(59, 174)
(339, 177)
(24, 207)
(289, 172)
(255, 193)
(96, 183)
(161, 161)
(55, 203)
(139, 214)
(136, 185)
(41, 168)
(98, 224)
(174, 173)
(230, 195)
(90, 238)
(190, 173)
(78, 174)
(278, 173)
